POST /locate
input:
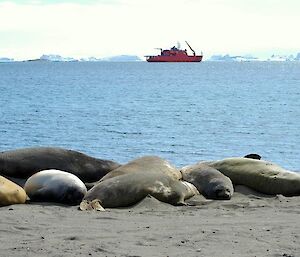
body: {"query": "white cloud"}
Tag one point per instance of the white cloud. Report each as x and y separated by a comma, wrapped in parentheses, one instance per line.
(136, 27)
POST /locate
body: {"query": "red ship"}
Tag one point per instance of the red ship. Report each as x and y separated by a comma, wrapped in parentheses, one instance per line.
(175, 54)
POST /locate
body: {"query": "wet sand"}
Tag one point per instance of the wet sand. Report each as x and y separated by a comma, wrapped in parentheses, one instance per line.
(249, 224)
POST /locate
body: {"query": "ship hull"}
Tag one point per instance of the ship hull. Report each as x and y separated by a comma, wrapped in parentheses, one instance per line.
(159, 58)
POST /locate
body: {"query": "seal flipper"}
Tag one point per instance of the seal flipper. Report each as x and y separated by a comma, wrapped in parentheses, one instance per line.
(253, 156)
(94, 205)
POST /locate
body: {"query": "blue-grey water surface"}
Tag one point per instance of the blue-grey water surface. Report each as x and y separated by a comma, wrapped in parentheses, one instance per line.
(182, 112)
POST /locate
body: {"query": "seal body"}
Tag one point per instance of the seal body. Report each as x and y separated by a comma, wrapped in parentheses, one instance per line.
(11, 193)
(55, 186)
(128, 189)
(23, 163)
(210, 182)
(262, 176)
(132, 182)
(171, 191)
(146, 164)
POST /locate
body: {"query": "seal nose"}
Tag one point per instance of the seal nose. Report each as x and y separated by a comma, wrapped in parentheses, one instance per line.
(227, 195)
(223, 194)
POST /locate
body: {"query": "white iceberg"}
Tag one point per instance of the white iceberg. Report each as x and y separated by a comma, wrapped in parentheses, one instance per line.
(236, 58)
(56, 58)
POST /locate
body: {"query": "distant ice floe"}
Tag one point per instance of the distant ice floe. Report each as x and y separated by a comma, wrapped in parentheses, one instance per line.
(248, 58)
(56, 58)
(118, 58)
(4, 59)
(90, 59)
(237, 58)
(284, 58)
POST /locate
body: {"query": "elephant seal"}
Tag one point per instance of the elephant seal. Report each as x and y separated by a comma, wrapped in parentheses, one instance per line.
(11, 193)
(210, 182)
(23, 163)
(128, 189)
(262, 176)
(146, 164)
(55, 186)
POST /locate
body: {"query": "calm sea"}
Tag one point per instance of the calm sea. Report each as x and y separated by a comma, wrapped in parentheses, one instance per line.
(182, 112)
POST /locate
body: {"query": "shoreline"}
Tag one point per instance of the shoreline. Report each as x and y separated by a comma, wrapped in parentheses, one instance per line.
(250, 224)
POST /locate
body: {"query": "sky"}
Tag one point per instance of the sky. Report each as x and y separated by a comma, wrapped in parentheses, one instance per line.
(103, 28)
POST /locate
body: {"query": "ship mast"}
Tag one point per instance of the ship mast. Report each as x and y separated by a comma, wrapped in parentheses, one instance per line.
(159, 49)
(190, 48)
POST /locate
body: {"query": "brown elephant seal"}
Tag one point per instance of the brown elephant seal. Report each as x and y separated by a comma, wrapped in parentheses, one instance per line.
(210, 182)
(262, 176)
(146, 164)
(128, 189)
(11, 193)
(55, 186)
(23, 163)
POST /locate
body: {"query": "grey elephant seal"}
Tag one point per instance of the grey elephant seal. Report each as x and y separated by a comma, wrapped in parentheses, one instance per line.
(146, 164)
(128, 189)
(210, 182)
(23, 163)
(262, 176)
(55, 186)
(11, 193)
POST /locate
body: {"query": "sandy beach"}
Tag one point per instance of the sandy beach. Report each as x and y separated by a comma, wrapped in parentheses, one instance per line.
(249, 224)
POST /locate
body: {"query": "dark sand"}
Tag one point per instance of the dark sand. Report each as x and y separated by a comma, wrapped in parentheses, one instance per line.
(247, 225)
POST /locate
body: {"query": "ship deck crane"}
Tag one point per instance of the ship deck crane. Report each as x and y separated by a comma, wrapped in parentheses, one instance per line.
(190, 48)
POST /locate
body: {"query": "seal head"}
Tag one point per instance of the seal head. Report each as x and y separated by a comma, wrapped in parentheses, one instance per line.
(55, 186)
(210, 182)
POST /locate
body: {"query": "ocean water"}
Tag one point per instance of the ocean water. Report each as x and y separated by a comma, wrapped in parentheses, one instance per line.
(184, 112)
